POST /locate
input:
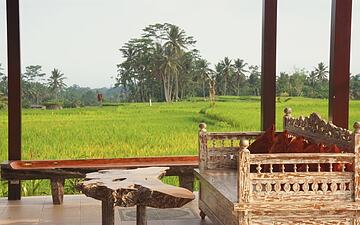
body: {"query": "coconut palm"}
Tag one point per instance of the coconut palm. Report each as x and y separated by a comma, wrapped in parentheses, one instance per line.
(239, 66)
(176, 42)
(204, 72)
(321, 72)
(170, 65)
(1, 69)
(3, 81)
(227, 70)
(56, 82)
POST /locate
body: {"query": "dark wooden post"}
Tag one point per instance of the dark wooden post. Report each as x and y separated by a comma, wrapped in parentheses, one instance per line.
(141, 217)
(340, 62)
(57, 190)
(268, 63)
(14, 79)
(107, 212)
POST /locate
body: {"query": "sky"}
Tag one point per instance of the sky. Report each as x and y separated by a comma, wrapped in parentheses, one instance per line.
(82, 37)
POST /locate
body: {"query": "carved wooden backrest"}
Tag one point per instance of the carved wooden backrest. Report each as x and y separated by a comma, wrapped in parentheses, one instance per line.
(219, 150)
(302, 176)
(318, 130)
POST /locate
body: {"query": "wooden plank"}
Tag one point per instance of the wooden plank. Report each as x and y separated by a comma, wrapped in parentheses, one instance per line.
(301, 158)
(191, 161)
(30, 174)
(308, 218)
(302, 176)
(232, 135)
(298, 206)
(14, 82)
(268, 63)
(340, 62)
(223, 181)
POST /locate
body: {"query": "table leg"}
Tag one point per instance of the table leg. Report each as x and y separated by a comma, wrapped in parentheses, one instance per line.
(107, 212)
(187, 181)
(57, 190)
(141, 218)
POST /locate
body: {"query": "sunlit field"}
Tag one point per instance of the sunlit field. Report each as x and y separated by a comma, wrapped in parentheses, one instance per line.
(137, 129)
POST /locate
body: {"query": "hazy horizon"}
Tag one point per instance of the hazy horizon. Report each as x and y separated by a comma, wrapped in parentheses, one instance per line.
(82, 38)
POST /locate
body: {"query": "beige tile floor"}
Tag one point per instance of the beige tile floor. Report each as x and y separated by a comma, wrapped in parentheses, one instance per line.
(79, 210)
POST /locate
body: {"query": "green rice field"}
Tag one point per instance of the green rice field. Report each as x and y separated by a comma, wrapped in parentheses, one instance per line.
(137, 129)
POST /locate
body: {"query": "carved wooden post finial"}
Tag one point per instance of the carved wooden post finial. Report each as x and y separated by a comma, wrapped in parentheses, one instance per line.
(356, 144)
(244, 143)
(202, 127)
(202, 146)
(287, 111)
(244, 172)
(357, 127)
(287, 116)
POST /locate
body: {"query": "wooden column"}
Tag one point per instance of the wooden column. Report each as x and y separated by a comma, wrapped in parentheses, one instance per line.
(107, 212)
(340, 62)
(268, 63)
(14, 79)
(141, 217)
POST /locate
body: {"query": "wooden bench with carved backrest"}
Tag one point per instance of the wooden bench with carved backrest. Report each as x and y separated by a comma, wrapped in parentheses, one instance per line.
(237, 187)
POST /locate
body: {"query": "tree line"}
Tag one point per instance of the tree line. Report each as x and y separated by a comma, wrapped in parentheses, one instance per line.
(164, 65)
(40, 89)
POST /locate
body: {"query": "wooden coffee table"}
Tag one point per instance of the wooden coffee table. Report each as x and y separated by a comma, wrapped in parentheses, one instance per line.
(136, 187)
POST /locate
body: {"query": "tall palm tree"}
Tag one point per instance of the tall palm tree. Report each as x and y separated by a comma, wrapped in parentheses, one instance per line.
(3, 81)
(239, 66)
(175, 44)
(170, 66)
(227, 69)
(1, 69)
(56, 82)
(201, 73)
(321, 72)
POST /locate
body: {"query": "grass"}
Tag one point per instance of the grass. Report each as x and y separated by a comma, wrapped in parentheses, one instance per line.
(136, 129)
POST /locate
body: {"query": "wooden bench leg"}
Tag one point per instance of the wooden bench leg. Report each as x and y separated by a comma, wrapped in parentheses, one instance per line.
(141, 217)
(107, 212)
(187, 181)
(202, 215)
(57, 190)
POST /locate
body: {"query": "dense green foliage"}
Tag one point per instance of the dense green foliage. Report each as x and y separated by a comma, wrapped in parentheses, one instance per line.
(163, 64)
(137, 129)
(40, 89)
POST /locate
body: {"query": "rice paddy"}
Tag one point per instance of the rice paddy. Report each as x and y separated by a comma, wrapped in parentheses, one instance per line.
(137, 129)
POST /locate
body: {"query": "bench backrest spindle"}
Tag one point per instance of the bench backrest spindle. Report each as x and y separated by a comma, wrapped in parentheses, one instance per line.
(356, 144)
(203, 153)
(244, 182)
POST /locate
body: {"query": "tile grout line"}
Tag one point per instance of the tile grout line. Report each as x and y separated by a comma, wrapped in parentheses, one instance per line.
(42, 211)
